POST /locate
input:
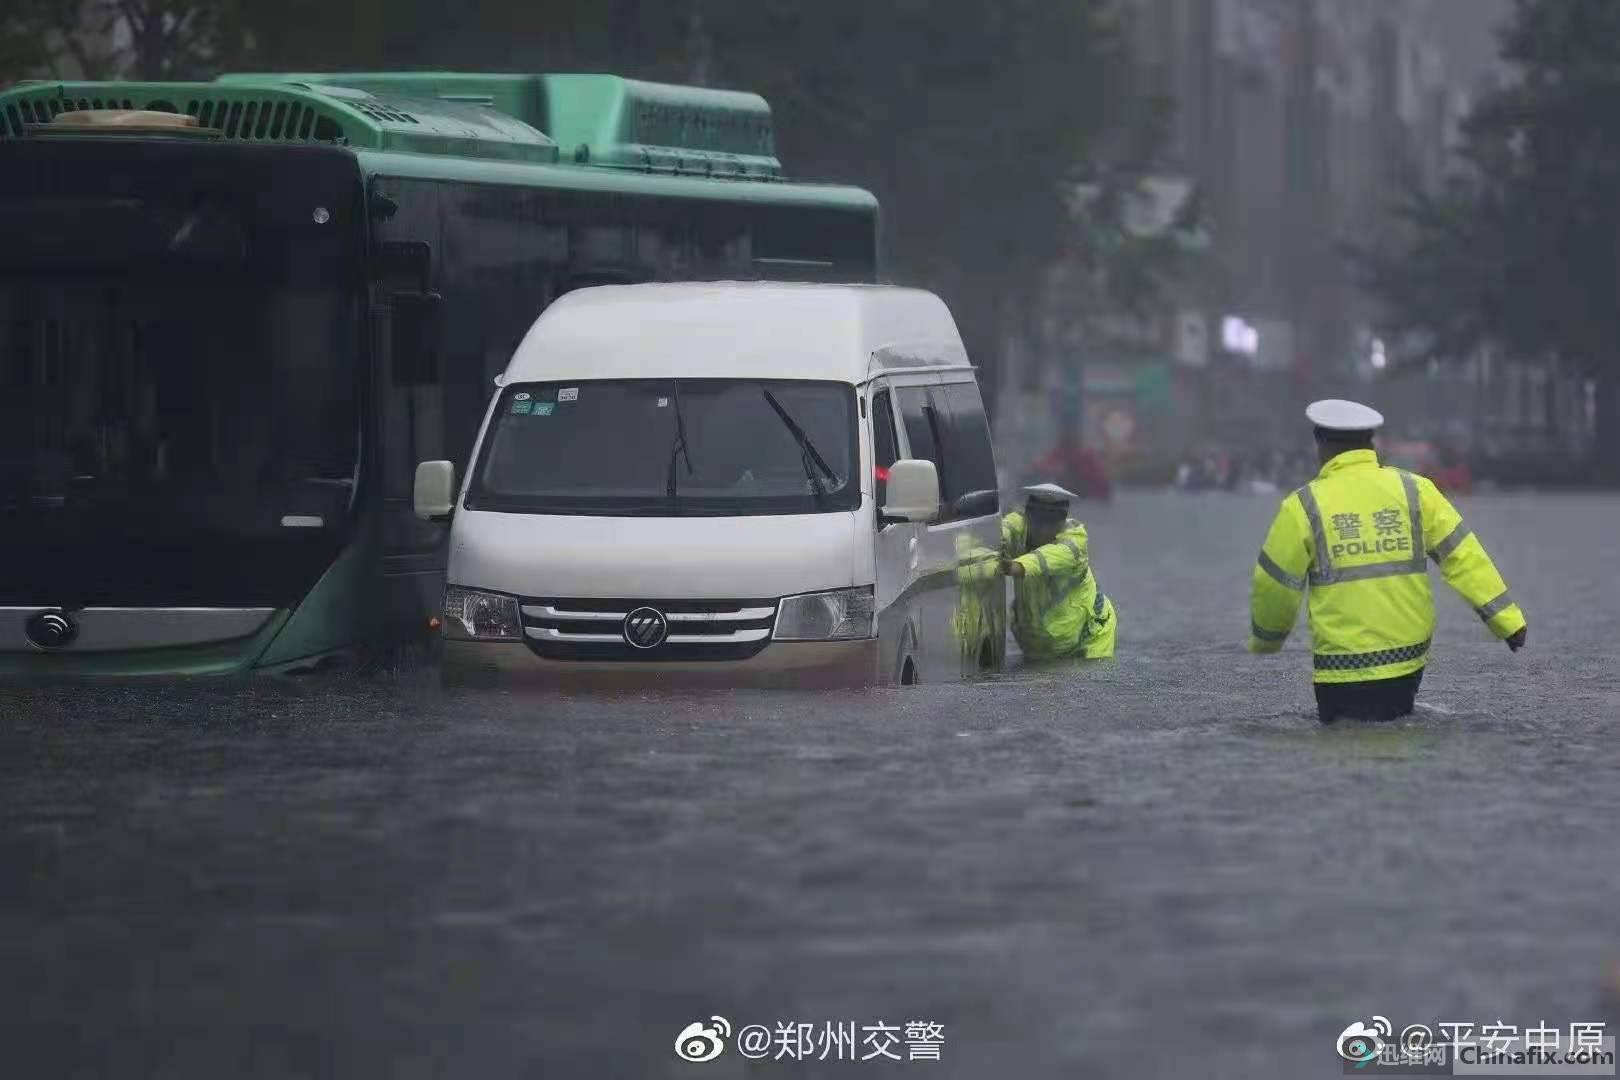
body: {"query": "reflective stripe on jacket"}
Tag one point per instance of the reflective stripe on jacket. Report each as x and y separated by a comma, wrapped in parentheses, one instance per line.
(1357, 537)
(1057, 596)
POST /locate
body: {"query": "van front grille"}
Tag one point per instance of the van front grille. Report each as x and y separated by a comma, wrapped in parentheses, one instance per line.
(667, 631)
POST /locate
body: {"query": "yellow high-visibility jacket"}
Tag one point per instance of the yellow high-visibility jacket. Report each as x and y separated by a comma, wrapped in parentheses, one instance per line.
(1057, 609)
(1358, 535)
(981, 598)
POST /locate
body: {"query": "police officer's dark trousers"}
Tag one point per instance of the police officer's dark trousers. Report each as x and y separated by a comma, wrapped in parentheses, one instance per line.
(1385, 699)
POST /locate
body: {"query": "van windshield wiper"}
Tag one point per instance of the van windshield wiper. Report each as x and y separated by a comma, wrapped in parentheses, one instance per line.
(808, 455)
(679, 449)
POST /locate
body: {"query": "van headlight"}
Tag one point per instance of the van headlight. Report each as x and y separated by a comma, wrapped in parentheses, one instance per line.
(839, 615)
(470, 615)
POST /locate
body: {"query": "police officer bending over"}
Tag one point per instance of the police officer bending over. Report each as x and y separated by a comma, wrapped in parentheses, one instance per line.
(1358, 536)
(1058, 610)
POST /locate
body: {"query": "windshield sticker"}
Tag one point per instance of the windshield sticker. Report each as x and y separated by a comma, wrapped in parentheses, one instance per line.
(568, 393)
(663, 403)
(521, 404)
(543, 408)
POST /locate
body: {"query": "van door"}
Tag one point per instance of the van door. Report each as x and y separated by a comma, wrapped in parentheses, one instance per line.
(973, 500)
(900, 572)
(950, 639)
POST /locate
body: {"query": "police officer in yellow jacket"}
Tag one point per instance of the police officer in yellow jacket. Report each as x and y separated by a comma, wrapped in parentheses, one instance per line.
(1358, 537)
(1058, 610)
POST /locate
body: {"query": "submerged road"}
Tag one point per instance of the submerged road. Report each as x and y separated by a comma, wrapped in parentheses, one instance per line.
(1160, 867)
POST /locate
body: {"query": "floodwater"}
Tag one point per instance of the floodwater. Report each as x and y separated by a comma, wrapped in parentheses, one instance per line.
(1159, 867)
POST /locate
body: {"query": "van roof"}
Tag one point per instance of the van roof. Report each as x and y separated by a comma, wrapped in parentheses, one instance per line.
(732, 330)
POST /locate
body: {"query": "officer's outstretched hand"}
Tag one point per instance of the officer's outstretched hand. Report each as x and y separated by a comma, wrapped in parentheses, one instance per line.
(1516, 642)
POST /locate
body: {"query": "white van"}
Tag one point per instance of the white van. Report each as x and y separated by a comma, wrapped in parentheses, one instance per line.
(737, 483)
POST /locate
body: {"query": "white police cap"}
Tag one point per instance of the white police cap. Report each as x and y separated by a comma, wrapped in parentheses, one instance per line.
(1049, 495)
(1336, 415)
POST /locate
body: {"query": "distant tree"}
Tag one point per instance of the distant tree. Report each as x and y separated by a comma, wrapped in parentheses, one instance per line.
(102, 39)
(1523, 249)
(184, 39)
(57, 39)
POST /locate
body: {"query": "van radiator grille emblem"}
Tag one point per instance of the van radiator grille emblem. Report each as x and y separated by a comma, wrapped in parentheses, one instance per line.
(646, 628)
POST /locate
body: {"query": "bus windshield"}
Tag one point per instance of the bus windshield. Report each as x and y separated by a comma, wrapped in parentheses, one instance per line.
(670, 447)
(179, 408)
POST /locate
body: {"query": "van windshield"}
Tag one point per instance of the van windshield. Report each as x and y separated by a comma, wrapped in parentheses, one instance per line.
(670, 447)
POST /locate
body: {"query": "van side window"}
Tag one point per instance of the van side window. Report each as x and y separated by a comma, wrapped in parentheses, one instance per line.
(922, 411)
(885, 446)
(967, 448)
(917, 413)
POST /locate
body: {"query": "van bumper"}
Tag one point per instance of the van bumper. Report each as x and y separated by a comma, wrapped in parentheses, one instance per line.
(785, 664)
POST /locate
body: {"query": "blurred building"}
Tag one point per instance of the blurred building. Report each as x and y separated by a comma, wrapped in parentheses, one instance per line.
(1299, 123)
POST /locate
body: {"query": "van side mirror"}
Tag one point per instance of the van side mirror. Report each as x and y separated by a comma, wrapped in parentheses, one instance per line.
(435, 492)
(913, 491)
(976, 504)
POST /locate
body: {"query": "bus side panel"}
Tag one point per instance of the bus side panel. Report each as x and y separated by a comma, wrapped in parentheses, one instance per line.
(348, 611)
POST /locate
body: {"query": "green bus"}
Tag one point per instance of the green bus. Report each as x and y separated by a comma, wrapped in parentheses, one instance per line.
(235, 315)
